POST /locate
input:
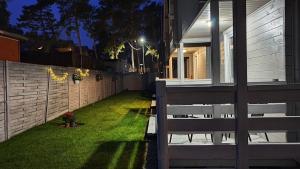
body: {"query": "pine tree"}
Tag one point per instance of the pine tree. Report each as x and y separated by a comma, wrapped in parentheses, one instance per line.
(4, 15)
(73, 14)
(39, 20)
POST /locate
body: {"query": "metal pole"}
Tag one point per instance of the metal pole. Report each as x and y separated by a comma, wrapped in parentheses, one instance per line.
(144, 58)
(132, 59)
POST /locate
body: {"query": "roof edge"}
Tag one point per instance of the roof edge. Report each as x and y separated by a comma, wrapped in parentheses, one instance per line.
(13, 35)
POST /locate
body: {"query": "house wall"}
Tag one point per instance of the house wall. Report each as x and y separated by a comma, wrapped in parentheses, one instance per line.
(199, 63)
(265, 43)
(9, 49)
(33, 98)
(266, 47)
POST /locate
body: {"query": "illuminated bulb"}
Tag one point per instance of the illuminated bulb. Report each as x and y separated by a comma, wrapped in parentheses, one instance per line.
(142, 39)
(209, 23)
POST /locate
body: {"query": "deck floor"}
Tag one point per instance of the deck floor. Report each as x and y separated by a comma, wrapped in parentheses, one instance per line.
(199, 139)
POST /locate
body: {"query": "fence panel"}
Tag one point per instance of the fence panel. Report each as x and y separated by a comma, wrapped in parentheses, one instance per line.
(29, 96)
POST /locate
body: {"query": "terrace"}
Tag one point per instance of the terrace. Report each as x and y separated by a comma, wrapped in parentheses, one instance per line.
(231, 94)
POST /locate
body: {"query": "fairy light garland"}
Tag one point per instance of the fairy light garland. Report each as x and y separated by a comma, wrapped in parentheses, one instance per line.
(57, 78)
(83, 74)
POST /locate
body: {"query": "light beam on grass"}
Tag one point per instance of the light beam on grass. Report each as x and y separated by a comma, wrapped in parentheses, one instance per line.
(117, 155)
(133, 155)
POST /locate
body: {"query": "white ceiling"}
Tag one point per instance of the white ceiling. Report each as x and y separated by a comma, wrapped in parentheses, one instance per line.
(200, 27)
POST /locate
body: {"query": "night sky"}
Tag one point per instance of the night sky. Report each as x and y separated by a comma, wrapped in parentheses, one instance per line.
(15, 8)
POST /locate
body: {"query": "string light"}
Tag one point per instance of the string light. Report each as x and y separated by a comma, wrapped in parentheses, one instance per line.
(83, 74)
(57, 78)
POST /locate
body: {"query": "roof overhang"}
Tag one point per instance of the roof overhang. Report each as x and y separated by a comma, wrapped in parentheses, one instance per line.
(200, 29)
(12, 35)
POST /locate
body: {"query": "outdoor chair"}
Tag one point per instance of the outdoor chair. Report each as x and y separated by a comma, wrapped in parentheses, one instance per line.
(227, 135)
(211, 135)
(266, 135)
(190, 136)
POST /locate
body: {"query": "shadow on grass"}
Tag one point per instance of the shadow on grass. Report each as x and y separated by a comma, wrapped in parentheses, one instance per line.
(142, 111)
(118, 155)
(60, 124)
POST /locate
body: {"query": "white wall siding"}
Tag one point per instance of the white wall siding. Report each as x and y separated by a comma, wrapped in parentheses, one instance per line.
(265, 39)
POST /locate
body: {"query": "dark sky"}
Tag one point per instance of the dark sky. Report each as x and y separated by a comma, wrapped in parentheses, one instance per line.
(15, 8)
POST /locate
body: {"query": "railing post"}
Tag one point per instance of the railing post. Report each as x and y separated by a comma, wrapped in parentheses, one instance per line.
(162, 126)
(217, 135)
(240, 78)
(215, 41)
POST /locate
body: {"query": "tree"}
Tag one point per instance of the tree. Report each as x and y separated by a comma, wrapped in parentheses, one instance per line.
(114, 50)
(90, 26)
(152, 52)
(73, 14)
(152, 14)
(39, 19)
(120, 22)
(4, 15)
(151, 18)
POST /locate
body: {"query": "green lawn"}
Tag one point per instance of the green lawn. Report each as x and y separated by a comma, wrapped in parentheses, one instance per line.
(110, 137)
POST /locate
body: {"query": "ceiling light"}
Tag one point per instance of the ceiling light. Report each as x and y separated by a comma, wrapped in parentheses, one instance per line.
(208, 23)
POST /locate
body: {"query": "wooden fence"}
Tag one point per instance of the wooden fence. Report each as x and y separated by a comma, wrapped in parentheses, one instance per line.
(30, 97)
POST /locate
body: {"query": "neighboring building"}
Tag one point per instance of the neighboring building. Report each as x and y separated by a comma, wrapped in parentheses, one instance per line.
(65, 55)
(117, 66)
(234, 67)
(10, 46)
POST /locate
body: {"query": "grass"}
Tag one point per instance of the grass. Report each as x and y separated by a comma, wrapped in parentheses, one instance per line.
(110, 137)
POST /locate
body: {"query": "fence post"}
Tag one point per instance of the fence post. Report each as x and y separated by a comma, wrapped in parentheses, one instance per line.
(5, 100)
(68, 81)
(47, 94)
(79, 95)
(162, 126)
(7, 114)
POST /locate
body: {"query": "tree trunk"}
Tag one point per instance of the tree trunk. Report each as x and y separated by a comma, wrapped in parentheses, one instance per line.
(95, 49)
(132, 58)
(79, 40)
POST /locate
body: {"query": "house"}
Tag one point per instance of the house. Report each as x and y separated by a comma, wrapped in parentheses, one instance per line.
(65, 54)
(10, 46)
(233, 66)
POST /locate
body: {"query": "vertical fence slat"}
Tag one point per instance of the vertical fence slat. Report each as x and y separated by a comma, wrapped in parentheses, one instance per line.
(162, 133)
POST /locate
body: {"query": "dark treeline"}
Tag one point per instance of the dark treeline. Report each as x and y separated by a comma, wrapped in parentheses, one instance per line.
(111, 24)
